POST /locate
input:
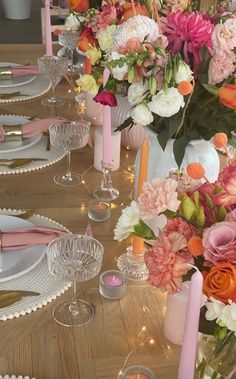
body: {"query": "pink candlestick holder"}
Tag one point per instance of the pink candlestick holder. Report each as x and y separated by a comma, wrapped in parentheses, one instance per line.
(106, 191)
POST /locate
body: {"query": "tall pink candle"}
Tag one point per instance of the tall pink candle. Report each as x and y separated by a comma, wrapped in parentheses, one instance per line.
(48, 35)
(189, 348)
(107, 146)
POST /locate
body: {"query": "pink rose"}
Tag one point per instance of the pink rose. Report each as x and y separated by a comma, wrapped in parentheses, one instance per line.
(106, 98)
(219, 242)
(224, 35)
(231, 216)
(221, 66)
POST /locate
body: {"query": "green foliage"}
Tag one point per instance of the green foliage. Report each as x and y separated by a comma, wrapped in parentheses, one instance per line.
(143, 230)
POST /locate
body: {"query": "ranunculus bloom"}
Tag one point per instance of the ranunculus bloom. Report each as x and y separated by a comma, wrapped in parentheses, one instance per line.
(219, 242)
(106, 98)
(166, 268)
(86, 40)
(220, 282)
(227, 181)
(158, 196)
(227, 95)
(79, 5)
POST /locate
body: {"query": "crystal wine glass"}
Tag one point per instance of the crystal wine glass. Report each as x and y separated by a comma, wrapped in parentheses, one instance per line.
(75, 258)
(69, 136)
(69, 39)
(55, 68)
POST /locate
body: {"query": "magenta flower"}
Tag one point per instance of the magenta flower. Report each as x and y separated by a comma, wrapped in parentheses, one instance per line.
(187, 33)
(106, 98)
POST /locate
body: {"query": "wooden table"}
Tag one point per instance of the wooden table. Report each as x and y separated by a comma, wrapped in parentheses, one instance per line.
(35, 345)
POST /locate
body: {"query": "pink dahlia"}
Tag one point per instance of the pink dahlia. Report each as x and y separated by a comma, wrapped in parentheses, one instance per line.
(187, 33)
(166, 268)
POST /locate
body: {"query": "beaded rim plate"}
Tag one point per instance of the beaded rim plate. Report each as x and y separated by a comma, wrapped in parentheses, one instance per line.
(38, 280)
(15, 377)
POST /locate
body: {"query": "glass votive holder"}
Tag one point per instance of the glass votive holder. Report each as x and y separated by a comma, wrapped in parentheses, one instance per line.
(137, 372)
(112, 284)
(99, 210)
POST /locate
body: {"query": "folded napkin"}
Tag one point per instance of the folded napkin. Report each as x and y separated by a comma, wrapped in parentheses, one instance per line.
(19, 71)
(25, 237)
(34, 128)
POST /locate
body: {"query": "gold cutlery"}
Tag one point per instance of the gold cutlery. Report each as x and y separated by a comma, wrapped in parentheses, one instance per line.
(11, 297)
(19, 162)
(27, 214)
(5, 96)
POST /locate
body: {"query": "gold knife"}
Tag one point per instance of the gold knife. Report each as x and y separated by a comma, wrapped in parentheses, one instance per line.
(11, 297)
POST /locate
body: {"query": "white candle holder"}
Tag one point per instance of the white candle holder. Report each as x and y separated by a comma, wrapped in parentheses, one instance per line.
(133, 265)
(106, 191)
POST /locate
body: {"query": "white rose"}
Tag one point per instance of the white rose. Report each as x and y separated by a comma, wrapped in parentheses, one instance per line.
(118, 72)
(142, 115)
(139, 27)
(214, 309)
(228, 317)
(136, 93)
(105, 38)
(72, 23)
(184, 73)
(126, 222)
(167, 104)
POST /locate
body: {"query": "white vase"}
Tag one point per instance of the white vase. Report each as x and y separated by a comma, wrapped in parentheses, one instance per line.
(161, 162)
(130, 138)
(17, 9)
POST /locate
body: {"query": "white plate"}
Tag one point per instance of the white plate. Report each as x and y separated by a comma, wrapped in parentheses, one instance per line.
(11, 146)
(15, 377)
(15, 263)
(14, 82)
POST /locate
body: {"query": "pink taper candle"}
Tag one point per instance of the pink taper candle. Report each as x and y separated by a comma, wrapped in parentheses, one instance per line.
(107, 146)
(48, 35)
(189, 348)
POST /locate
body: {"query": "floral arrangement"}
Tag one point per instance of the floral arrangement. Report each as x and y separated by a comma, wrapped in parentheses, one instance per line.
(191, 224)
(175, 64)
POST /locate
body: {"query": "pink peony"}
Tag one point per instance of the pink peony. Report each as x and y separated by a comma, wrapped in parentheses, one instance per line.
(157, 197)
(219, 242)
(166, 268)
(221, 66)
(227, 181)
(107, 16)
(188, 33)
(224, 35)
(178, 224)
(106, 98)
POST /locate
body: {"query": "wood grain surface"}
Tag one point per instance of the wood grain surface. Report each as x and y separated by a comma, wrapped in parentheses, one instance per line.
(35, 345)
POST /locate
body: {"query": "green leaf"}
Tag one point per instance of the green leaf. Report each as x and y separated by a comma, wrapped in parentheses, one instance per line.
(127, 123)
(212, 89)
(163, 138)
(179, 148)
(143, 230)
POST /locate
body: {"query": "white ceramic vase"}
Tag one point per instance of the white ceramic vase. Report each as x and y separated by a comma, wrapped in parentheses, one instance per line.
(17, 9)
(130, 138)
(162, 162)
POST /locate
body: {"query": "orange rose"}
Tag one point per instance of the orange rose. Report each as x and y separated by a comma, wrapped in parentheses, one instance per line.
(86, 40)
(220, 282)
(227, 95)
(79, 5)
(129, 12)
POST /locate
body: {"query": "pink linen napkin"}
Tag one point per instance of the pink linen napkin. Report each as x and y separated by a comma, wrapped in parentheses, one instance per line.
(24, 71)
(34, 128)
(25, 237)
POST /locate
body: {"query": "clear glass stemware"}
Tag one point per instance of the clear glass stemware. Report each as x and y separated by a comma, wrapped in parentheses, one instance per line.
(54, 68)
(75, 258)
(69, 136)
(69, 39)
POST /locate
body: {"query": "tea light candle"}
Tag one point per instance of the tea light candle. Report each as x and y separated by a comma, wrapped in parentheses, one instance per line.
(112, 284)
(99, 211)
(138, 372)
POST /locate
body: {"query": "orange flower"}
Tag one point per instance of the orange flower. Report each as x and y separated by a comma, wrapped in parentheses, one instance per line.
(79, 5)
(195, 246)
(227, 95)
(220, 282)
(195, 170)
(129, 11)
(220, 140)
(86, 40)
(185, 88)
